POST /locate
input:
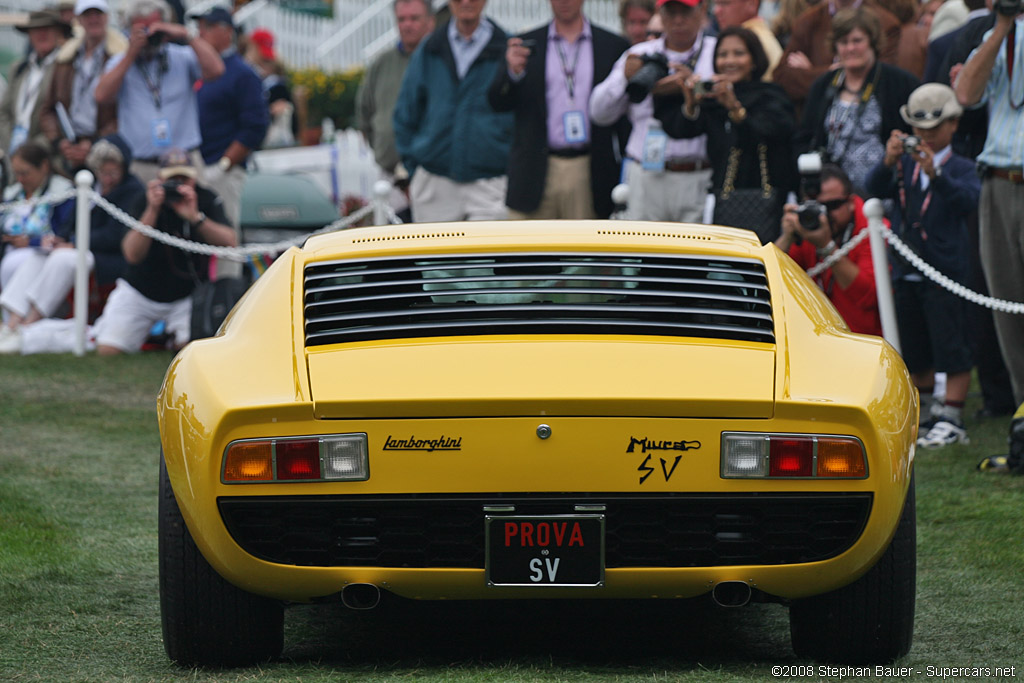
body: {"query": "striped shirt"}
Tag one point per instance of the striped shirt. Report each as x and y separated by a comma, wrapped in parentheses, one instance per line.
(1004, 146)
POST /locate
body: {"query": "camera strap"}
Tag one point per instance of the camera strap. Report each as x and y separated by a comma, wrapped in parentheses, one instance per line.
(1011, 46)
(153, 84)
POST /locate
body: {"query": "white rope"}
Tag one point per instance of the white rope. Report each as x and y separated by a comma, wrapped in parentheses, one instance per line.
(393, 218)
(926, 269)
(230, 253)
(55, 198)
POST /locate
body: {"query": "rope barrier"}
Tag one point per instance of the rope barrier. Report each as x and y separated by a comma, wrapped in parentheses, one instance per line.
(244, 252)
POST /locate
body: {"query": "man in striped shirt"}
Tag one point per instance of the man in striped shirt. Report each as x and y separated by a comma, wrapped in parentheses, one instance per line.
(994, 74)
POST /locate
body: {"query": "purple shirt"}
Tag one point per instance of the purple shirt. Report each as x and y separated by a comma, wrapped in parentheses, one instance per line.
(568, 64)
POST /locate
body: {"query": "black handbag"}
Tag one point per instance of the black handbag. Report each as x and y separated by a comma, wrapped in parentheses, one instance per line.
(756, 208)
(211, 303)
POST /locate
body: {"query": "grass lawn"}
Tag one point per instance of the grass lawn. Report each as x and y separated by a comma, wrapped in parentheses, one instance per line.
(78, 571)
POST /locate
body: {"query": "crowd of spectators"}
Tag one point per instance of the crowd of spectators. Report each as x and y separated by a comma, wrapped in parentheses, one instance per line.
(695, 102)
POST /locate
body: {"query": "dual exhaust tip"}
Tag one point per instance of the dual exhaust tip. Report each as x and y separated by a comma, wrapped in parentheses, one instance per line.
(366, 596)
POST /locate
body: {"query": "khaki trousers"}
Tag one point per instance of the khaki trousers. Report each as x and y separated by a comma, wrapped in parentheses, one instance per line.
(567, 192)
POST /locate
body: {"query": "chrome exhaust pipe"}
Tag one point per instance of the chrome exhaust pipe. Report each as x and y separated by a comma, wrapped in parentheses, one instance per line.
(731, 593)
(360, 596)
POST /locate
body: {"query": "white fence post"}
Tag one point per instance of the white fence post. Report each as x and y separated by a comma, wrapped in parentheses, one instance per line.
(83, 183)
(381, 193)
(883, 283)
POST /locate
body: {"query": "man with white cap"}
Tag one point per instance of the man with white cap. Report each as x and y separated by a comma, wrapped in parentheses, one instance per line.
(70, 117)
(160, 278)
(936, 191)
(668, 178)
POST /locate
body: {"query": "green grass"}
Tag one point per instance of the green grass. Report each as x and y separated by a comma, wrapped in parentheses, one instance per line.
(78, 577)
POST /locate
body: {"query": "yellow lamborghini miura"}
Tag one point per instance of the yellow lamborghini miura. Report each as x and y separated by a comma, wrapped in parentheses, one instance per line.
(522, 410)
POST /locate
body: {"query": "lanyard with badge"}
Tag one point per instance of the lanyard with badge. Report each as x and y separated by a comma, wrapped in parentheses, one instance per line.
(27, 98)
(656, 139)
(160, 127)
(574, 122)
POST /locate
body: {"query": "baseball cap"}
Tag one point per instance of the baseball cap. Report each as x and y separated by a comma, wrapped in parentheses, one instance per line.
(929, 105)
(688, 3)
(82, 5)
(215, 15)
(264, 41)
(176, 162)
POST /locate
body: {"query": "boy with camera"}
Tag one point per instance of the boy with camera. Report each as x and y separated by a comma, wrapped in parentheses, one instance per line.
(936, 190)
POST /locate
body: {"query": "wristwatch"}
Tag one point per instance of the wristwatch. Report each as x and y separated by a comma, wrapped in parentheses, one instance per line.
(200, 219)
(826, 250)
(224, 163)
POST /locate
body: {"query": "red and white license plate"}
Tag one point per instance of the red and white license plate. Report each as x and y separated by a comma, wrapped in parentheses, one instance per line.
(545, 550)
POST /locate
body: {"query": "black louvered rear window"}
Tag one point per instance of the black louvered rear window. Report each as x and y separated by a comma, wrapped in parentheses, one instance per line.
(537, 293)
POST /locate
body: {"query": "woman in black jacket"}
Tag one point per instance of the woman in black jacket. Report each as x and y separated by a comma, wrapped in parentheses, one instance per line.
(852, 110)
(749, 126)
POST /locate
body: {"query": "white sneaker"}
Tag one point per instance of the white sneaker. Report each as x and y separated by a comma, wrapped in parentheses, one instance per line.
(943, 433)
(10, 340)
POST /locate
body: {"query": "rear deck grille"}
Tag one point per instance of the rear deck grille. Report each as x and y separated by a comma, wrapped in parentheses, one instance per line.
(682, 530)
(537, 293)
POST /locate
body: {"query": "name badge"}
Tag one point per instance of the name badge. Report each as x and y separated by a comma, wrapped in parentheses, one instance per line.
(160, 130)
(654, 149)
(575, 125)
(18, 137)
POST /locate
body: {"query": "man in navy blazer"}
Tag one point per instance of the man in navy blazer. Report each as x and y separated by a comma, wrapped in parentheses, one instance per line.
(560, 164)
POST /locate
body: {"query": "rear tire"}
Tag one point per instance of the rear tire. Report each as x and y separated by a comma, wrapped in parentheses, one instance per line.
(871, 620)
(206, 620)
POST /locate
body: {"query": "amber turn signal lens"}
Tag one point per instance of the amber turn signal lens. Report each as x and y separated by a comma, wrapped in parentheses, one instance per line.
(840, 458)
(249, 461)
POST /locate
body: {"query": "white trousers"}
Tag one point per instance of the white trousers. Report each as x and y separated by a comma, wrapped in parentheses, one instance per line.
(666, 195)
(42, 280)
(434, 198)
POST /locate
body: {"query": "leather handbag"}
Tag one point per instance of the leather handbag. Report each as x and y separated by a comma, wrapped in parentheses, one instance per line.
(756, 208)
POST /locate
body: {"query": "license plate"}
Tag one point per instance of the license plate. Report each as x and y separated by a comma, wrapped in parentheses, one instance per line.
(545, 550)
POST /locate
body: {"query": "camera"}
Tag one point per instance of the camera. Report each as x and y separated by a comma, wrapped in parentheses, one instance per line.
(911, 143)
(655, 68)
(1009, 8)
(703, 89)
(171, 192)
(155, 39)
(810, 210)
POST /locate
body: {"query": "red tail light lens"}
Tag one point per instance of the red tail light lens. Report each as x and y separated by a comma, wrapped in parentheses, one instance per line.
(298, 459)
(791, 457)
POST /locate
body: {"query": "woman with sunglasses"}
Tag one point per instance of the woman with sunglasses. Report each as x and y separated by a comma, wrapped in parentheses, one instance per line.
(851, 110)
(749, 125)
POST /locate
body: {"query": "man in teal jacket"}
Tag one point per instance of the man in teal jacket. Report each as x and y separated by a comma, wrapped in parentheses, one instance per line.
(452, 143)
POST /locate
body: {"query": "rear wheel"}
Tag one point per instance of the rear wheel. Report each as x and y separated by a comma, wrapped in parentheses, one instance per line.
(206, 620)
(872, 619)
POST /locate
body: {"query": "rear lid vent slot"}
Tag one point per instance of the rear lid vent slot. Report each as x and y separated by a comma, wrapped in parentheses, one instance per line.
(537, 293)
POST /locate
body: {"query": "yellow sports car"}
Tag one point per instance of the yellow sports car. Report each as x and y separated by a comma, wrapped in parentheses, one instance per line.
(523, 410)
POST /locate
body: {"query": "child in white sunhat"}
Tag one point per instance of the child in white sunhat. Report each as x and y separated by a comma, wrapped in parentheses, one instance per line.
(935, 191)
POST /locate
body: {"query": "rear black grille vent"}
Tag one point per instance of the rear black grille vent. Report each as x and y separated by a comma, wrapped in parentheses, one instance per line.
(682, 530)
(537, 293)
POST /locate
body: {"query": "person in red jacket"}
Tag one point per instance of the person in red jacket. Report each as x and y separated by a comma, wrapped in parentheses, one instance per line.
(850, 282)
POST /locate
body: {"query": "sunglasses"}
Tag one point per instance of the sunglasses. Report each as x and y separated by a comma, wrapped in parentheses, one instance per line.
(654, 34)
(833, 204)
(922, 115)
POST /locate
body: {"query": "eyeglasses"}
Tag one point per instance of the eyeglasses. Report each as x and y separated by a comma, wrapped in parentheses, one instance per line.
(654, 34)
(833, 204)
(922, 115)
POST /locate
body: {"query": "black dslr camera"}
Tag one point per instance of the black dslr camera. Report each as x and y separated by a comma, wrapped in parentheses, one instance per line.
(171, 192)
(155, 39)
(1009, 8)
(810, 210)
(655, 68)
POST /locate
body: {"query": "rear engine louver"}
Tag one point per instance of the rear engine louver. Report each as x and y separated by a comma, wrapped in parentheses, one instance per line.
(537, 293)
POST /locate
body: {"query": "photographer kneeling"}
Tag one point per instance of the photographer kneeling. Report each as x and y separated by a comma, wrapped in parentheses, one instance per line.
(160, 278)
(815, 229)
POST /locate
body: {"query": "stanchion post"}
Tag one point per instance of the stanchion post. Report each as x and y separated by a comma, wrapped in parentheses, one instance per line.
(381, 193)
(883, 284)
(83, 184)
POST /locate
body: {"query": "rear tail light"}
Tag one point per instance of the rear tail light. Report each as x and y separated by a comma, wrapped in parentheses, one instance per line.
(793, 456)
(337, 457)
